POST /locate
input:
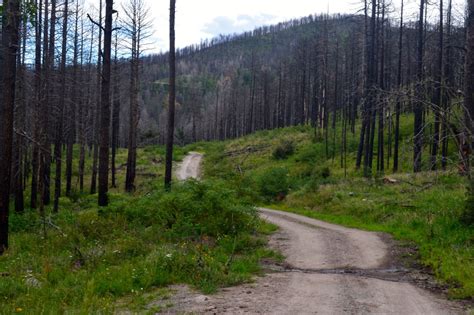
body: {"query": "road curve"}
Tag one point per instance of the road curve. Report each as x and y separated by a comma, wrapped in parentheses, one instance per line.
(329, 269)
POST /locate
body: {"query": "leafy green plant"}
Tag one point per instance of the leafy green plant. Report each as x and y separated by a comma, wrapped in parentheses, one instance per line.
(201, 234)
(468, 214)
(284, 150)
(274, 184)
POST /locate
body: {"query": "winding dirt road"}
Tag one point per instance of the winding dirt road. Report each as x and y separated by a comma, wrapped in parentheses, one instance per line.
(329, 269)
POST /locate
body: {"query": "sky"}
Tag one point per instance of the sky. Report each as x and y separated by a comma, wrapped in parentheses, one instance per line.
(201, 19)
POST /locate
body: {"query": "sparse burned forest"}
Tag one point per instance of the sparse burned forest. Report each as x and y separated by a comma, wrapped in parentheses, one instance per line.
(362, 118)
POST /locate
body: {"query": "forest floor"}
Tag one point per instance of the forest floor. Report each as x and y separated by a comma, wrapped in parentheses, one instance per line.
(328, 269)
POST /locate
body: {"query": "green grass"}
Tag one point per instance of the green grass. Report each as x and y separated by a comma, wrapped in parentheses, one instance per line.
(422, 209)
(123, 256)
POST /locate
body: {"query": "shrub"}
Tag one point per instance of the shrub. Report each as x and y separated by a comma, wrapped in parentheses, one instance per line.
(468, 215)
(322, 172)
(203, 208)
(274, 184)
(284, 150)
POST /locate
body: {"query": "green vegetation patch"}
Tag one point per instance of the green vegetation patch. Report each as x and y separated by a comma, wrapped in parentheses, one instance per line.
(199, 234)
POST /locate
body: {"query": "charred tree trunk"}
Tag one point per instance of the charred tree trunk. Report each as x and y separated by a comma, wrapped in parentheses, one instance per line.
(446, 92)
(60, 114)
(399, 85)
(96, 116)
(9, 48)
(115, 114)
(19, 147)
(37, 109)
(71, 116)
(418, 106)
(105, 108)
(438, 92)
(172, 98)
(469, 102)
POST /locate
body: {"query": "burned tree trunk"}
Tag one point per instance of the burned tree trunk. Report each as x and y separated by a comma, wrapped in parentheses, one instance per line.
(172, 97)
(105, 108)
(9, 48)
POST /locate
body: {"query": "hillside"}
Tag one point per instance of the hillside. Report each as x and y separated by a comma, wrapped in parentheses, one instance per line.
(304, 70)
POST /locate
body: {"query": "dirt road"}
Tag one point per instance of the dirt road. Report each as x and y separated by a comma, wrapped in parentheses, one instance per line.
(329, 269)
(189, 168)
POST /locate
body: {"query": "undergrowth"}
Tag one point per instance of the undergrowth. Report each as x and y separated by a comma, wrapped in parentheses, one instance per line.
(199, 234)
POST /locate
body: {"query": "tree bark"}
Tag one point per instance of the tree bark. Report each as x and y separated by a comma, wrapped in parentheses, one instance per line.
(105, 108)
(9, 48)
(399, 85)
(60, 113)
(438, 91)
(418, 110)
(115, 114)
(172, 98)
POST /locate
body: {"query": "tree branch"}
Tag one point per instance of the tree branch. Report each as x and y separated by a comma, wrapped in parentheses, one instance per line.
(94, 22)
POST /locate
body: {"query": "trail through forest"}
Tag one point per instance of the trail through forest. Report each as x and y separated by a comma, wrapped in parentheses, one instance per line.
(329, 269)
(189, 168)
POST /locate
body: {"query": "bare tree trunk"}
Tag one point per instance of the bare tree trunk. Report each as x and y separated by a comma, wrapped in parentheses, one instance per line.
(71, 117)
(437, 99)
(133, 118)
(105, 109)
(96, 117)
(20, 120)
(115, 114)
(37, 109)
(60, 113)
(418, 123)
(84, 116)
(371, 93)
(446, 97)
(469, 102)
(381, 138)
(399, 85)
(9, 48)
(172, 98)
(50, 45)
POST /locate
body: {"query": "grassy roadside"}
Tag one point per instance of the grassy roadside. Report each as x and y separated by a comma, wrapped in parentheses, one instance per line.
(103, 260)
(288, 170)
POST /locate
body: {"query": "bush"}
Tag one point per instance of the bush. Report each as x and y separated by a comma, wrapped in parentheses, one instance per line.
(284, 150)
(274, 184)
(322, 172)
(468, 215)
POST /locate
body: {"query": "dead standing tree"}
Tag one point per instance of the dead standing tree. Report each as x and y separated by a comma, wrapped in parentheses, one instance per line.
(137, 27)
(172, 98)
(8, 51)
(469, 102)
(105, 108)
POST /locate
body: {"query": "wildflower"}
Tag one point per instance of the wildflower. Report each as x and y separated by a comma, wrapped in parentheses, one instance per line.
(19, 310)
(169, 255)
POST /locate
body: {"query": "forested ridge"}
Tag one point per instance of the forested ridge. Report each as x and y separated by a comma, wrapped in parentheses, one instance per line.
(91, 116)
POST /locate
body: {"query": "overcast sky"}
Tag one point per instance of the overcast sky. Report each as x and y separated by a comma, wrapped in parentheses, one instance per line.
(200, 19)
